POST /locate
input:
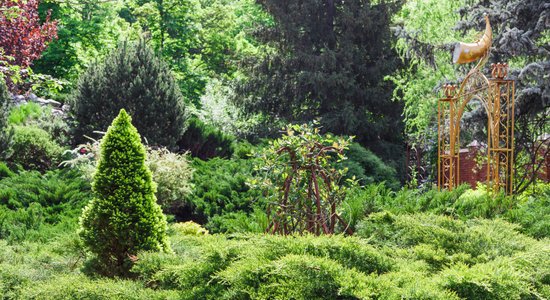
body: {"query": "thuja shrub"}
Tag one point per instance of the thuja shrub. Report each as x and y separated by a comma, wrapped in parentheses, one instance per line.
(135, 79)
(206, 141)
(124, 217)
(5, 103)
(34, 149)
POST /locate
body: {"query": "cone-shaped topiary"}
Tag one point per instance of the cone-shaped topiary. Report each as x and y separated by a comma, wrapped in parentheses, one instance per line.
(133, 78)
(123, 218)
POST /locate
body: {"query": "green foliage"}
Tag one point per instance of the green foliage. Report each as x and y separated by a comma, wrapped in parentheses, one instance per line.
(429, 23)
(124, 217)
(201, 39)
(18, 115)
(32, 114)
(219, 188)
(188, 228)
(320, 67)
(87, 30)
(469, 242)
(303, 182)
(34, 149)
(82, 287)
(206, 141)
(232, 222)
(30, 201)
(367, 167)
(394, 256)
(5, 104)
(304, 277)
(256, 266)
(5, 171)
(530, 210)
(172, 173)
(135, 79)
(476, 259)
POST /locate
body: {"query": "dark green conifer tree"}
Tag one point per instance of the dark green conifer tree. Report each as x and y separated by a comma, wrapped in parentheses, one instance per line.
(135, 79)
(124, 217)
(329, 63)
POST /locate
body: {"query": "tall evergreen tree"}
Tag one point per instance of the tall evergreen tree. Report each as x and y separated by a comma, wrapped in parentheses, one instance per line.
(329, 63)
(124, 217)
(135, 79)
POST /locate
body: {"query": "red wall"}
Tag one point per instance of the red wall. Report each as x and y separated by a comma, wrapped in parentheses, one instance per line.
(470, 170)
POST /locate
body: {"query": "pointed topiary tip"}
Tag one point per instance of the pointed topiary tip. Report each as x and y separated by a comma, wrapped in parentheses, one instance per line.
(123, 116)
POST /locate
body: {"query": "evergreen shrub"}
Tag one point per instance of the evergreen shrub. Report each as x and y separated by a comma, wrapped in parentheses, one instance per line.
(32, 114)
(206, 141)
(367, 167)
(188, 228)
(133, 78)
(81, 287)
(5, 171)
(34, 149)
(220, 187)
(124, 217)
(31, 204)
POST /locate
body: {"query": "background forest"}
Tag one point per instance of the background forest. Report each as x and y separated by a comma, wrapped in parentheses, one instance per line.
(225, 103)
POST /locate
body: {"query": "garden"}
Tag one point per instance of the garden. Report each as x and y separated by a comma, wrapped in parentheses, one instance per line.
(267, 149)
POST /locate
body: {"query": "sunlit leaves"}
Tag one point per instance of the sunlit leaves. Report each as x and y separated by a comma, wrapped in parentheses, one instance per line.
(22, 36)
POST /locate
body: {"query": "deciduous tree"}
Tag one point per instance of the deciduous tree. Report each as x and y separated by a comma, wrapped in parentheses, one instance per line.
(23, 36)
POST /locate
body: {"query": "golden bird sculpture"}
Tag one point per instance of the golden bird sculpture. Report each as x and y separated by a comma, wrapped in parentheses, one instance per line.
(470, 52)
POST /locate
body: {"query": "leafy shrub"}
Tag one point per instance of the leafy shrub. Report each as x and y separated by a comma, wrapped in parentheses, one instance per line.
(367, 167)
(493, 280)
(20, 114)
(56, 190)
(188, 228)
(220, 187)
(172, 174)
(206, 141)
(32, 114)
(532, 211)
(304, 277)
(124, 218)
(34, 149)
(135, 79)
(302, 180)
(243, 149)
(234, 222)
